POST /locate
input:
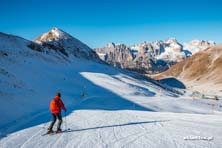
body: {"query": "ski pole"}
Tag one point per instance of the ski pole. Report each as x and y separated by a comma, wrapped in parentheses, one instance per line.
(65, 121)
(66, 127)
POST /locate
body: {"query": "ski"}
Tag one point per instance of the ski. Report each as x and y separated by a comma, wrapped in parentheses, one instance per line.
(48, 133)
(54, 132)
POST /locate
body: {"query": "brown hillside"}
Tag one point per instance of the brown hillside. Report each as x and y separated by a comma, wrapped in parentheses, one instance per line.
(202, 68)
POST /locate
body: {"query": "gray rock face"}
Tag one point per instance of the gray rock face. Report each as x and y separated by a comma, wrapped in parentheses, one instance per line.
(142, 60)
(148, 57)
(117, 55)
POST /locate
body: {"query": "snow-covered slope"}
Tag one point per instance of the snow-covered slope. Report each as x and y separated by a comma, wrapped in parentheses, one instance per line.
(30, 78)
(119, 108)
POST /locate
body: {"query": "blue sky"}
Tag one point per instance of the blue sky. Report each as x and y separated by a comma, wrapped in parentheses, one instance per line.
(97, 22)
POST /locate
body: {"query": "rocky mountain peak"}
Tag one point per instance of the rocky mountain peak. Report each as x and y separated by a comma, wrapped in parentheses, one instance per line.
(150, 56)
(171, 40)
(201, 43)
(111, 45)
(53, 35)
(195, 46)
(60, 41)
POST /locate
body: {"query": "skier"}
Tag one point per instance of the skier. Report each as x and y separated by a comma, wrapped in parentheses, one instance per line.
(56, 105)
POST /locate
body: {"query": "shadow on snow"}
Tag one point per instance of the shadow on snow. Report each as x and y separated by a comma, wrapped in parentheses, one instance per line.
(115, 125)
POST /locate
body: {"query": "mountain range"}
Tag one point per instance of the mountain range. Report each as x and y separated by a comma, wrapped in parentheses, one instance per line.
(150, 57)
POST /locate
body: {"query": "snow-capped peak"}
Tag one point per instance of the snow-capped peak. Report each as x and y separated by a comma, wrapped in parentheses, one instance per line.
(198, 45)
(58, 33)
(171, 40)
(59, 40)
(54, 34)
(111, 45)
(201, 42)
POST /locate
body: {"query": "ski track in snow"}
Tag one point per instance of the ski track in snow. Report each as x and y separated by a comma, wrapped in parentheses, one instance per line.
(29, 139)
(168, 135)
(98, 123)
(120, 133)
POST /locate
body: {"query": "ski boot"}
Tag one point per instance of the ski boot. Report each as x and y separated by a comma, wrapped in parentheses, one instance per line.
(58, 131)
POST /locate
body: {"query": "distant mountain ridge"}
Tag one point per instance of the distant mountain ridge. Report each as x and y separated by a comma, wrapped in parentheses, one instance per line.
(150, 57)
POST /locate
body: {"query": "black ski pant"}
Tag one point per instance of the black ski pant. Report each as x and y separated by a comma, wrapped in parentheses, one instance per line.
(54, 117)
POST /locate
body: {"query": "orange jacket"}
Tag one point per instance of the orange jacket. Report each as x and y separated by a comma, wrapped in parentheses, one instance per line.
(56, 105)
